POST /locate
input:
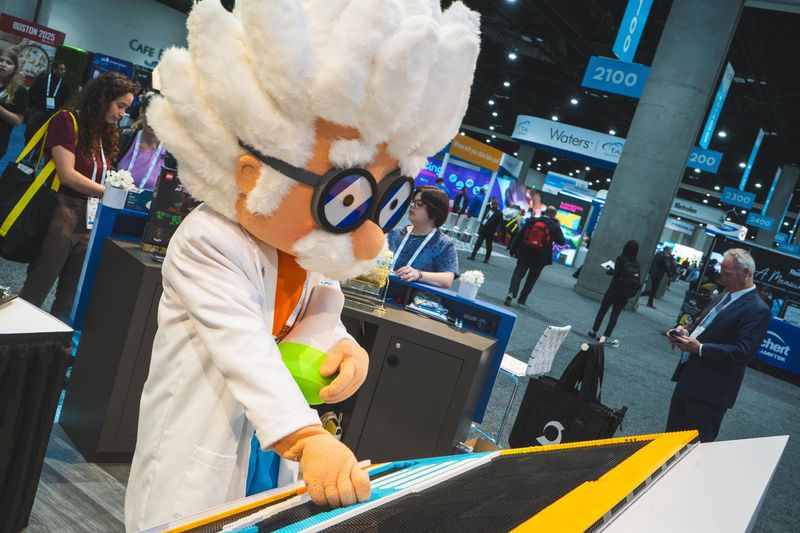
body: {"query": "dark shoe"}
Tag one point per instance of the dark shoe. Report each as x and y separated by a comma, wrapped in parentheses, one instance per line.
(485, 260)
(507, 300)
(650, 305)
(471, 258)
(592, 334)
(522, 303)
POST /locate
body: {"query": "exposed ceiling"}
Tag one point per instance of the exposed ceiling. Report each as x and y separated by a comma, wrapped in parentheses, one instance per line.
(554, 39)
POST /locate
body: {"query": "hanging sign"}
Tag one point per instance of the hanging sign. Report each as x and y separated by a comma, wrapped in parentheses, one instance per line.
(679, 226)
(716, 107)
(760, 221)
(631, 29)
(771, 191)
(752, 160)
(781, 238)
(705, 160)
(733, 196)
(476, 152)
(614, 76)
(695, 211)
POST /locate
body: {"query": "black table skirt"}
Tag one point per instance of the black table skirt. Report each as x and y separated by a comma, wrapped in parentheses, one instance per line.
(32, 371)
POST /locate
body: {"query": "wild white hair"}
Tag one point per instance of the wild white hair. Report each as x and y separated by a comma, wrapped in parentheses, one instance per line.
(742, 258)
(399, 71)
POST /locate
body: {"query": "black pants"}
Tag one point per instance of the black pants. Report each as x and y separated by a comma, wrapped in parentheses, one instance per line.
(688, 412)
(481, 238)
(533, 270)
(655, 283)
(617, 303)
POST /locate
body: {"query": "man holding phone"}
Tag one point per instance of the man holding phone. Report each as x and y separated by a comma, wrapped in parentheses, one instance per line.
(717, 349)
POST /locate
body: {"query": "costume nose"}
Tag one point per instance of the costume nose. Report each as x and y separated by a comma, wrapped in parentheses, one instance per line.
(367, 241)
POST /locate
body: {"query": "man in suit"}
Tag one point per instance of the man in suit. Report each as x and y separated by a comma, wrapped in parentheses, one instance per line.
(490, 222)
(531, 259)
(717, 349)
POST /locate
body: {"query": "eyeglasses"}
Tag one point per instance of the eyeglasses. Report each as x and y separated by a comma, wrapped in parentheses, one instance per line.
(417, 204)
(346, 198)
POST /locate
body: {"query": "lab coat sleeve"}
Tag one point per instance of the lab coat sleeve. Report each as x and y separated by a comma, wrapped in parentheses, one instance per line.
(207, 272)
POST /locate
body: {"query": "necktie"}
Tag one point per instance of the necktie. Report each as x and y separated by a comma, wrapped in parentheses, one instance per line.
(708, 319)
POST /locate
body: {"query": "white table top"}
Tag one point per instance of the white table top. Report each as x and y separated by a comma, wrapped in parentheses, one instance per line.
(717, 487)
(20, 317)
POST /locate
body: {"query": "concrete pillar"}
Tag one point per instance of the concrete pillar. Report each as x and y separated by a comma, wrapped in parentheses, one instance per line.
(534, 179)
(525, 154)
(682, 82)
(780, 199)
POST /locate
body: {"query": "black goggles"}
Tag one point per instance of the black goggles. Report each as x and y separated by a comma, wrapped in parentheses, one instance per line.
(346, 198)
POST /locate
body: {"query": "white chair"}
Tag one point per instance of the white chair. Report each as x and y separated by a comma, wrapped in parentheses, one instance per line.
(539, 363)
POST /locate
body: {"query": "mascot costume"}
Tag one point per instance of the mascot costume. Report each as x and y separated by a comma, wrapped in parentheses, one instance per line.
(299, 125)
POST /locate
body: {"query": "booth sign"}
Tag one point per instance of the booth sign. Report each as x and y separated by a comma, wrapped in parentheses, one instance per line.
(779, 348)
(476, 152)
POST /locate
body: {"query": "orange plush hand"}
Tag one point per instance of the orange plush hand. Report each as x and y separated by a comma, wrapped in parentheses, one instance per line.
(330, 469)
(351, 362)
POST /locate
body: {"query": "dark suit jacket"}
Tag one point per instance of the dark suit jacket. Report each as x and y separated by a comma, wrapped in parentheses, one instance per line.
(493, 222)
(729, 342)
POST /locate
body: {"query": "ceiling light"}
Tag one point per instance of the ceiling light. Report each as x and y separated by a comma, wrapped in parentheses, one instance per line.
(574, 101)
(744, 212)
(512, 56)
(758, 185)
(678, 218)
(491, 102)
(697, 170)
(722, 134)
(742, 164)
(554, 118)
(494, 113)
(489, 141)
(707, 194)
(705, 201)
(506, 84)
(494, 136)
(555, 159)
(462, 133)
(515, 154)
(785, 223)
(728, 219)
(716, 187)
(587, 168)
(608, 180)
(491, 128)
(612, 132)
(571, 174)
(549, 163)
(577, 171)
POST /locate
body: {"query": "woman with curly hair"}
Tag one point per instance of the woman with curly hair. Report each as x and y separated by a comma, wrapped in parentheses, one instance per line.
(13, 97)
(81, 162)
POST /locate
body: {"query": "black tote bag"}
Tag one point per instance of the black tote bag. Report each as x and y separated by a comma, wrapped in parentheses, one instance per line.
(26, 202)
(568, 409)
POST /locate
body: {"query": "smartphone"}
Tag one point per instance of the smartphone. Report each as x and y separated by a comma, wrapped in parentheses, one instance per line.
(674, 333)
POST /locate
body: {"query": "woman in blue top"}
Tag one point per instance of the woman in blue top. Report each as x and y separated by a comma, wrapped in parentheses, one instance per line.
(422, 252)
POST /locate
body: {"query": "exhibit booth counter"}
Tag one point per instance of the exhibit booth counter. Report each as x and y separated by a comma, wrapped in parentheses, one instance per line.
(427, 379)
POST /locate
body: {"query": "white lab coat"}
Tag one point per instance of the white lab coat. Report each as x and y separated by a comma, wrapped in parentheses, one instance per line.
(215, 373)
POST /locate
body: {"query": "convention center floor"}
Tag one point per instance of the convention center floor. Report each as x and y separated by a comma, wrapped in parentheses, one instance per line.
(75, 496)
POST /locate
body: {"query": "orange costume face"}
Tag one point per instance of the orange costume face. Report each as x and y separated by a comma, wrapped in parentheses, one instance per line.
(293, 220)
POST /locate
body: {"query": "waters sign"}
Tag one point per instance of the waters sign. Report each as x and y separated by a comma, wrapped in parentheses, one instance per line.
(631, 28)
(733, 196)
(614, 76)
(705, 160)
(760, 221)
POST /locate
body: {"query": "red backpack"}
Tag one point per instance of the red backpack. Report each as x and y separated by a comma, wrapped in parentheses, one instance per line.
(537, 235)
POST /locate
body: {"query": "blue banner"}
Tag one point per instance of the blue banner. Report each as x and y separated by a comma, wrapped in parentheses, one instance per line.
(752, 160)
(732, 196)
(781, 346)
(772, 191)
(760, 221)
(781, 238)
(716, 107)
(631, 28)
(788, 248)
(705, 160)
(614, 76)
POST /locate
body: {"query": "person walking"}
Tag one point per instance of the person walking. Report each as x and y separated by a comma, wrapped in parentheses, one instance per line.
(533, 248)
(460, 203)
(490, 223)
(660, 267)
(625, 283)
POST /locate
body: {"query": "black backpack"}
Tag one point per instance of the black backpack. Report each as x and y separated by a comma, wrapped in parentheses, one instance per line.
(630, 279)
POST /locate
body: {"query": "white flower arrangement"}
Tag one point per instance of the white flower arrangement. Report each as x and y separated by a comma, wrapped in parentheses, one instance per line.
(119, 179)
(474, 277)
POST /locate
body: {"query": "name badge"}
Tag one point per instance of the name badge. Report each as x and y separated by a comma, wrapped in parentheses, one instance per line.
(51, 103)
(91, 211)
(697, 332)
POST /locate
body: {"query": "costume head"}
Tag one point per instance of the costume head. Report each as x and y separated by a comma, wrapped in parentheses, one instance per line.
(378, 84)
